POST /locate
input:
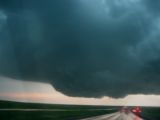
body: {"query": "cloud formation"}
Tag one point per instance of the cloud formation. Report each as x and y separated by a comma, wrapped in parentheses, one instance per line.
(89, 48)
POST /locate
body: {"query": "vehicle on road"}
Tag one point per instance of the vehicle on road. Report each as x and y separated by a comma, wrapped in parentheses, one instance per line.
(137, 111)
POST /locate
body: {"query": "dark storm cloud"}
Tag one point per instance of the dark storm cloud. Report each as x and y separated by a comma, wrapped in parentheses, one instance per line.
(89, 48)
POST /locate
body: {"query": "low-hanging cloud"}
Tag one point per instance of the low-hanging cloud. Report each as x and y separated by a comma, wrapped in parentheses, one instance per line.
(89, 48)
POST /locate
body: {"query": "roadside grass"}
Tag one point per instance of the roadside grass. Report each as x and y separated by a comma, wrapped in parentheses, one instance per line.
(30, 111)
(60, 112)
(151, 113)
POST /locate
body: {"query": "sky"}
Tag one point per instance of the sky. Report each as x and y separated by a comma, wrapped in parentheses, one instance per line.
(37, 92)
(85, 49)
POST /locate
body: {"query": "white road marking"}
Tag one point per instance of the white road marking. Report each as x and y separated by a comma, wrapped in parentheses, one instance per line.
(101, 117)
(116, 116)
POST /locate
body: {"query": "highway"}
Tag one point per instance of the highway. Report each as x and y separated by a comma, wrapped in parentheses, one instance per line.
(121, 115)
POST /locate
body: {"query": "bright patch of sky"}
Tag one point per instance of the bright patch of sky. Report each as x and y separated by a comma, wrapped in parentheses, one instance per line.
(25, 91)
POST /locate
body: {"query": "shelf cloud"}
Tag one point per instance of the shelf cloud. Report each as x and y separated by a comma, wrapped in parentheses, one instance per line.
(88, 48)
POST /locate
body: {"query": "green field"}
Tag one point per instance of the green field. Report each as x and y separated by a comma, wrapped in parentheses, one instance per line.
(30, 111)
(151, 113)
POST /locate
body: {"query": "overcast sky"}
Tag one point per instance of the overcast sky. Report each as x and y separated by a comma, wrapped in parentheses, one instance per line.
(83, 48)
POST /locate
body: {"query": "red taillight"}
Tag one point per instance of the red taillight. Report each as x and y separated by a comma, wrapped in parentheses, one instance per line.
(137, 110)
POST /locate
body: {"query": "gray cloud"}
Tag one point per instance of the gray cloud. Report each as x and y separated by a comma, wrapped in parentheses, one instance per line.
(89, 48)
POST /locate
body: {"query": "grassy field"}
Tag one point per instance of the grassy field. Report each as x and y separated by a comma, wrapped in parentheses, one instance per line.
(30, 111)
(151, 113)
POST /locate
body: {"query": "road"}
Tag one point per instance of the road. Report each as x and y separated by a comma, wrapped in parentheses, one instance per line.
(116, 116)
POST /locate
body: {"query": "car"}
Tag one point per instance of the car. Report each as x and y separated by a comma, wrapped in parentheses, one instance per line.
(137, 111)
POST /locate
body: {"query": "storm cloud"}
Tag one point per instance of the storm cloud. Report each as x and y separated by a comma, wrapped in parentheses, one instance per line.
(88, 48)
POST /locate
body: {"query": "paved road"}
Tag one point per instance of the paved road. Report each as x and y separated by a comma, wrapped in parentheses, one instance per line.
(116, 116)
